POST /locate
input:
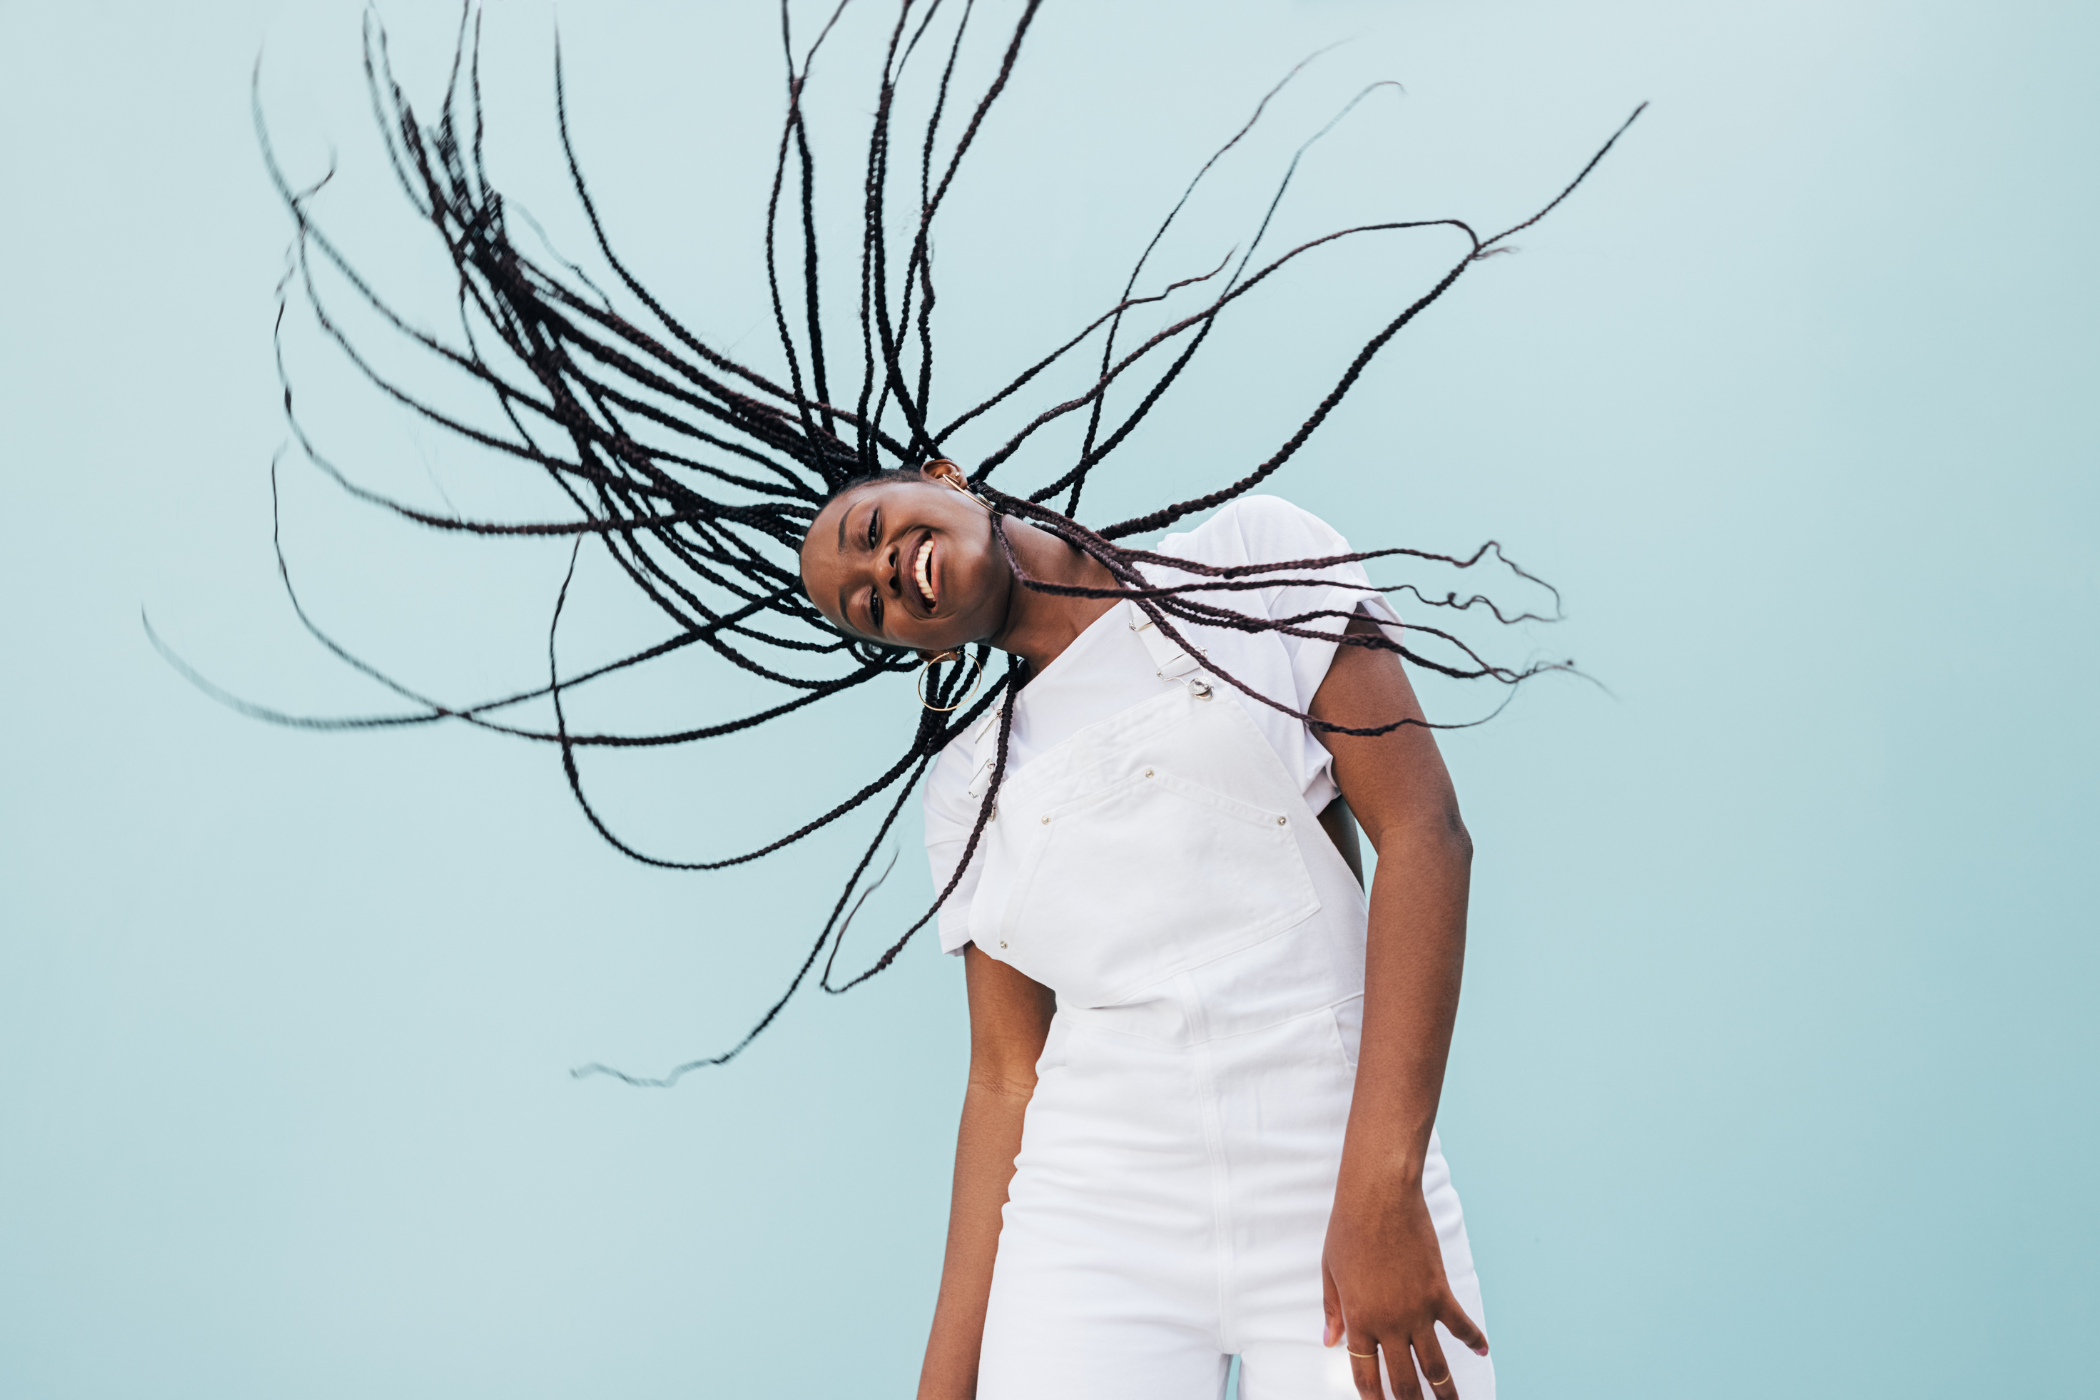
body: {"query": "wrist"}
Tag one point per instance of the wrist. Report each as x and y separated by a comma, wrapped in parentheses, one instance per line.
(1380, 1170)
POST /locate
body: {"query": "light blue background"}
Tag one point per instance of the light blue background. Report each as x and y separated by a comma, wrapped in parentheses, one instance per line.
(1776, 1067)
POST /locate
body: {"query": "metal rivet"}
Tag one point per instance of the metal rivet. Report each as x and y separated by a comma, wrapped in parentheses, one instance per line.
(1046, 821)
(1148, 772)
(1002, 943)
(1282, 821)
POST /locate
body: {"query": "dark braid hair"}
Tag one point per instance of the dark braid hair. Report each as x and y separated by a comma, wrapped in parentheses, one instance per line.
(700, 476)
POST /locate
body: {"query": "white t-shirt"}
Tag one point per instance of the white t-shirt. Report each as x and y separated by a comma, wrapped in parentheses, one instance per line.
(1106, 670)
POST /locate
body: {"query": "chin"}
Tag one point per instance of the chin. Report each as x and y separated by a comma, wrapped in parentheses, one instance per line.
(981, 609)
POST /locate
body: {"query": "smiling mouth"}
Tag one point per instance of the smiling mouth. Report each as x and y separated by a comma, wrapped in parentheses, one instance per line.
(922, 572)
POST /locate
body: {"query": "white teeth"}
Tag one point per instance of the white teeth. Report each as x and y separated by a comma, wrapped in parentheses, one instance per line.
(921, 569)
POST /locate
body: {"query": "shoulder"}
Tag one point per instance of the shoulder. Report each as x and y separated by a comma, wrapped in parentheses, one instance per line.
(1256, 529)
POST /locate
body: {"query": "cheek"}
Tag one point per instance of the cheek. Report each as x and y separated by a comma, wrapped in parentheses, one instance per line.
(980, 573)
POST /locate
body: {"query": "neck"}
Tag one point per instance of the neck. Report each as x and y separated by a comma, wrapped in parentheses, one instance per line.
(1039, 626)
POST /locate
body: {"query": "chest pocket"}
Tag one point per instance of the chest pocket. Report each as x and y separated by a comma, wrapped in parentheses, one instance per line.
(1149, 876)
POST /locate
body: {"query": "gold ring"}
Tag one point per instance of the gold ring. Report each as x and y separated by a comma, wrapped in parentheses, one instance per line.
(1434, 1384)
(1366, 1355)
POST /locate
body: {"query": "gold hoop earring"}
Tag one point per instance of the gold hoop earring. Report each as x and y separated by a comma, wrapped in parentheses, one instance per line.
(927, 666)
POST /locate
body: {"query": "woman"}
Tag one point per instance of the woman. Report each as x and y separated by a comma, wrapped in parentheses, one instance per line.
(1167, 966)
(1204, 1073)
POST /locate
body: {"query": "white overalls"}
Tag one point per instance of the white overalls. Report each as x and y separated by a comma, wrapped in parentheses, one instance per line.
(1161, 872)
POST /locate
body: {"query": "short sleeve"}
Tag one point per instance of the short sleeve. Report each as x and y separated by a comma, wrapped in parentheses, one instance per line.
(950, 814)
(1270, 530)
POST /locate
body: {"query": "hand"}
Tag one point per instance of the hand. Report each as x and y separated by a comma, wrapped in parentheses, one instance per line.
(1386, 1291)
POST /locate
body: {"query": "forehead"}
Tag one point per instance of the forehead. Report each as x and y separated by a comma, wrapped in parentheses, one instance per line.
(820, 552)
(821, 540)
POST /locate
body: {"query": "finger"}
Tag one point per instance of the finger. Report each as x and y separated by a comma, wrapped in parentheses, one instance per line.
(1461, 1326)
(1400, 1371)
(1429, 1358)
(1363, 1367)
(1332, 1331)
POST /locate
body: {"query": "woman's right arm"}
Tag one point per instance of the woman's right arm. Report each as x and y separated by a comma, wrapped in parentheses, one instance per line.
(1009, 1020)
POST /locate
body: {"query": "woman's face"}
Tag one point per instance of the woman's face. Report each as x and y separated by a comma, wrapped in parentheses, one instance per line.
(910, 563)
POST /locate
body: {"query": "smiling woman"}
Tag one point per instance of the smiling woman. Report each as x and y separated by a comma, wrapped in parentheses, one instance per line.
(1173, 974)
(1205, 1068)
(912, 564)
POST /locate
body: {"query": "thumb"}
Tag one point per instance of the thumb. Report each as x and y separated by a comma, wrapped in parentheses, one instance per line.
(1459, 1325)
(1332, 1332)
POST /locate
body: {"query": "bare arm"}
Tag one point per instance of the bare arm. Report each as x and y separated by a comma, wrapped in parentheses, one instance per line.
(1386, 1288)
(1009, 1019)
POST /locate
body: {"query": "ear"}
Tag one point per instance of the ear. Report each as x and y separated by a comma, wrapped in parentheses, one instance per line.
(942, 470)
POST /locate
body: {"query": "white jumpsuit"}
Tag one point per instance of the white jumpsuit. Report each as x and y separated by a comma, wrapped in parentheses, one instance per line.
(1162, 872)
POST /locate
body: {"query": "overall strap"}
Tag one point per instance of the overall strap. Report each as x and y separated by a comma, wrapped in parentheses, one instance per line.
(984, 751)
(1171, 661)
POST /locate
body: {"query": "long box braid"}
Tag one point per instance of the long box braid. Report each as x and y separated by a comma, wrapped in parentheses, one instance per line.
(699, 475)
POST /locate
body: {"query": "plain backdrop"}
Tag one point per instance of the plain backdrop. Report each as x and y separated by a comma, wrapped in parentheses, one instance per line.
(1775, 1072)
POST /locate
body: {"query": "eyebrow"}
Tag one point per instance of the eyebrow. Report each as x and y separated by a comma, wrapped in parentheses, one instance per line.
(844, 615)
